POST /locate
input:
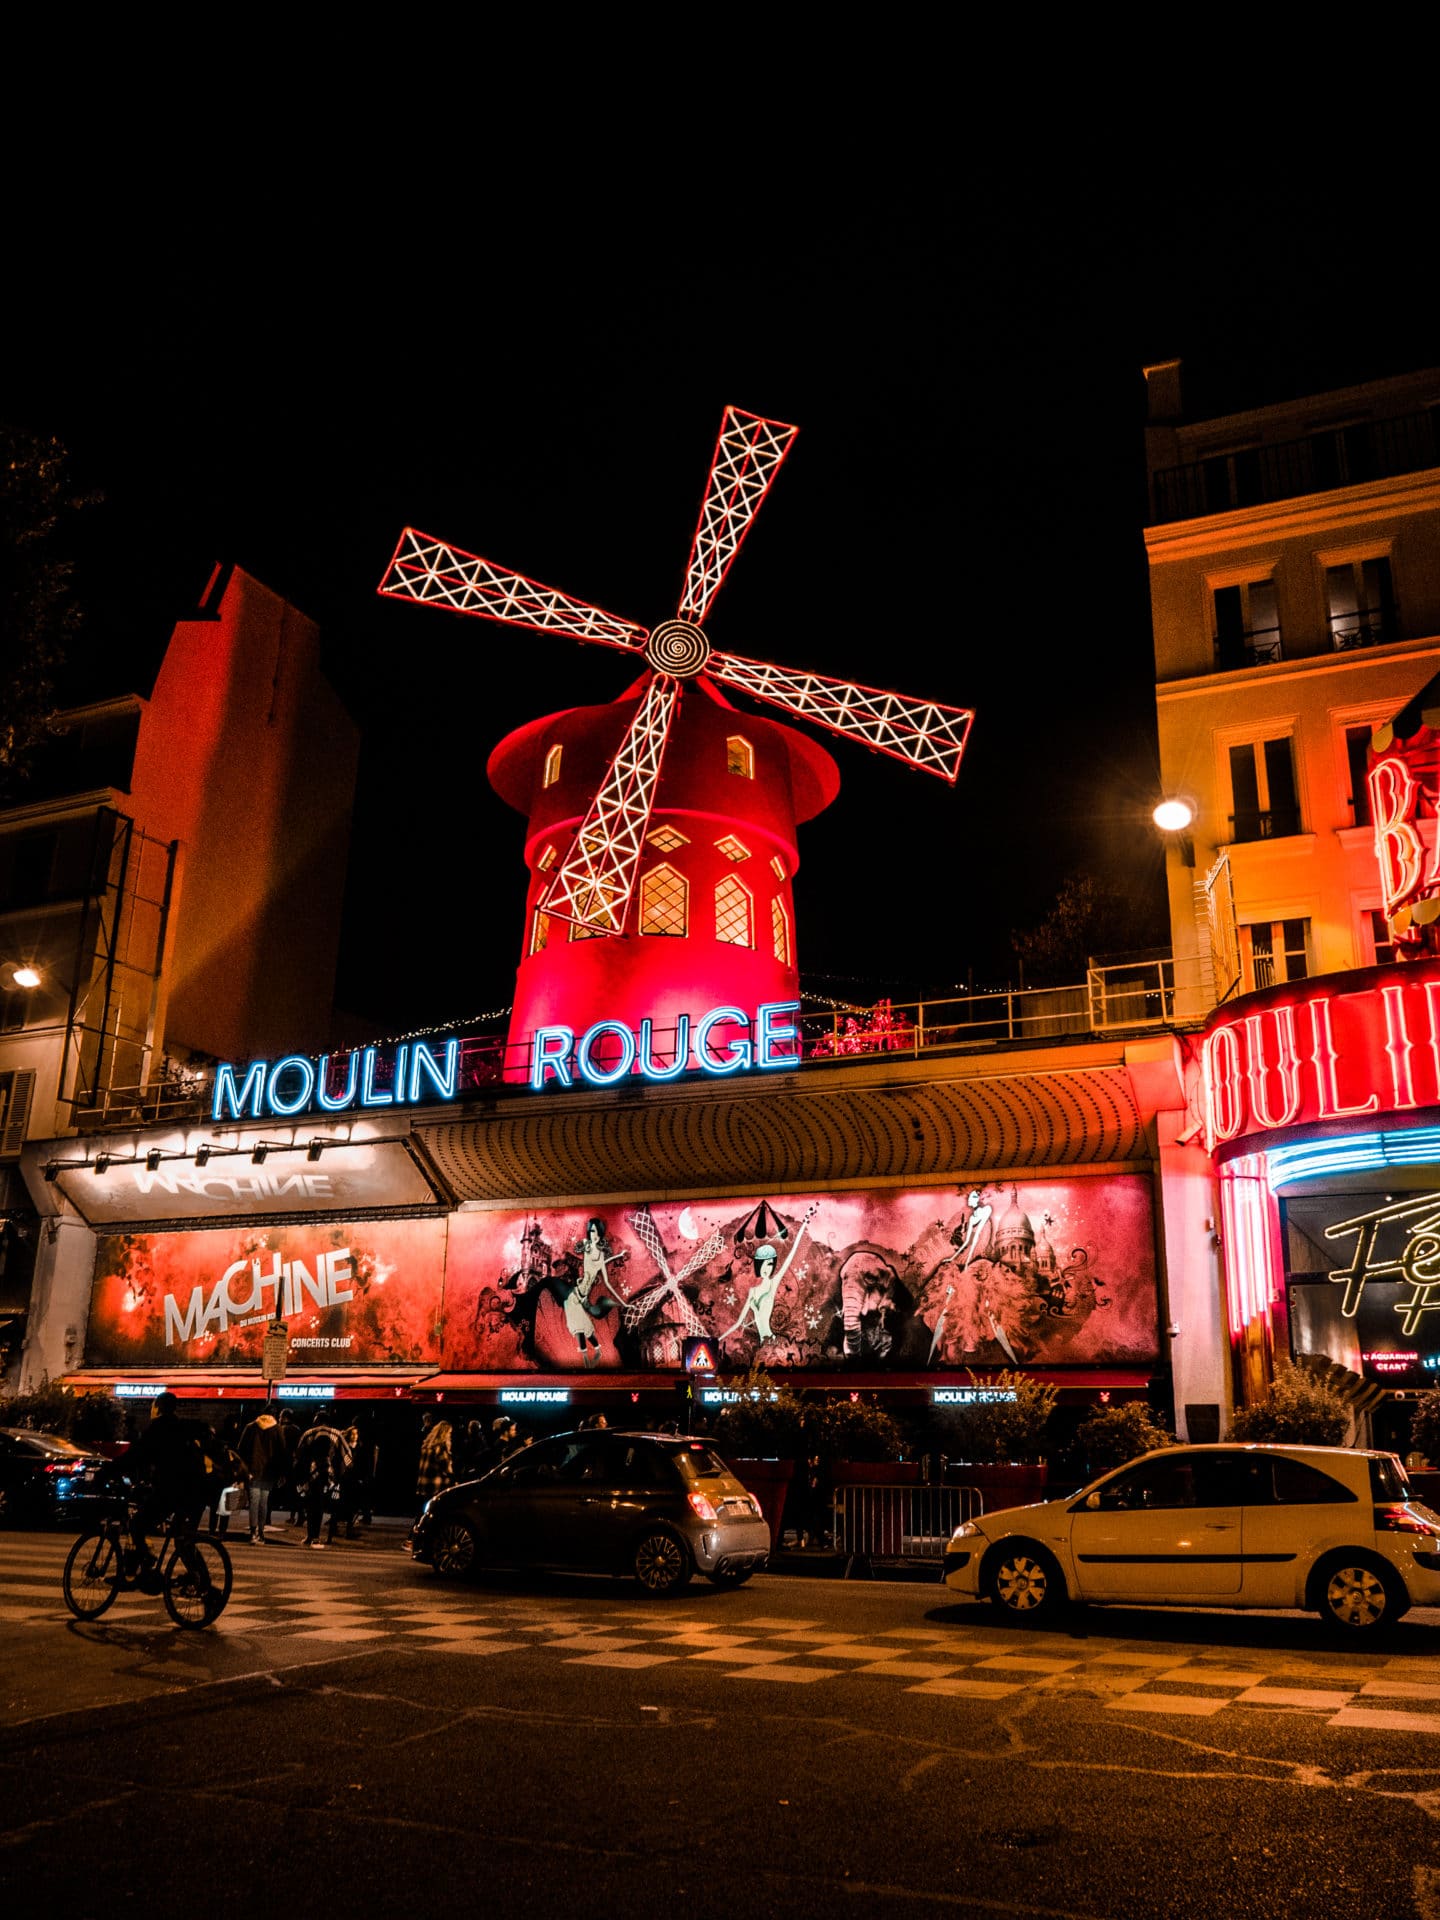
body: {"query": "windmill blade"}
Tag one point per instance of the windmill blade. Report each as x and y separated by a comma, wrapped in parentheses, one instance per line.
(593, 885)
(918, 731)
(427, 570)
(747, 458)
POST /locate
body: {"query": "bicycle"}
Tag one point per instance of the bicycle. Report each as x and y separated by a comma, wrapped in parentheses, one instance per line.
(193, 1576)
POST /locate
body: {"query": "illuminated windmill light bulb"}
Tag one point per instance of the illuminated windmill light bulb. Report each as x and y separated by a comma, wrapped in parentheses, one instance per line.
(1174, 816)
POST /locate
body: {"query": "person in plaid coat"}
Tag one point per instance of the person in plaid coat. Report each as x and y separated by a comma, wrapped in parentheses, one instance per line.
(437, 1462)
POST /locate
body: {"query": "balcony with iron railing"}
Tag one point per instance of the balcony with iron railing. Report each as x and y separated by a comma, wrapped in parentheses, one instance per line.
(1118, 999)
(1343, 456)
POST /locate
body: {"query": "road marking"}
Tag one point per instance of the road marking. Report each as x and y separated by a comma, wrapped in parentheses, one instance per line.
(1291, 1697)
(1211, 1677)
(343, 1634)
(1025, 1663)
(598, 1642)
(478, 1646)
(622, 1660)
(1378, 1720)
(1400, 1690)
(750, 1655)
(971, 1689)
(1130, 1659)
(782, 1670)
(909, 1669)
(1187, 1703)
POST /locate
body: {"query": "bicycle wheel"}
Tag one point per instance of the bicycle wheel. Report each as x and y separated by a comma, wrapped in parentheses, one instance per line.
(198, 1578)
(94, 1573)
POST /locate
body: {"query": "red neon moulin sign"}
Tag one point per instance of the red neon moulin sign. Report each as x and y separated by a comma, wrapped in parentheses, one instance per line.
(1296, 1056)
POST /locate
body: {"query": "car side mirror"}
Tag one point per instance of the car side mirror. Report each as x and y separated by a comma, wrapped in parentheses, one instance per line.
(1093, 1503)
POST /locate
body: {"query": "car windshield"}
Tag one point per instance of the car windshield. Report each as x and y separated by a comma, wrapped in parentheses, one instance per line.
(46, 1443)
(1388, 1479)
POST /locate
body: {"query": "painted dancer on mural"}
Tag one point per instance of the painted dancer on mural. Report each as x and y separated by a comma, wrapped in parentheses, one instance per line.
(592, 1295)
(760, 1300)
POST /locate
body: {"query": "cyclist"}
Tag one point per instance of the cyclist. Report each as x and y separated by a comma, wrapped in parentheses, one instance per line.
(170, 1464)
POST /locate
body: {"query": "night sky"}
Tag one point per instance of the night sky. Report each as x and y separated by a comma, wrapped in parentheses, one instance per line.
(284, 377)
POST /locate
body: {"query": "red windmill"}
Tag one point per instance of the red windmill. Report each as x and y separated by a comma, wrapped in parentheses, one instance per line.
(593, 790)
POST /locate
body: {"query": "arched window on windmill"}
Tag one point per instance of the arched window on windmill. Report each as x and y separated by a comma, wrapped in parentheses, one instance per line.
(552, 766)
(780, 930)
(734, 919)
(665, 902)
(740, 756)
(540, 932)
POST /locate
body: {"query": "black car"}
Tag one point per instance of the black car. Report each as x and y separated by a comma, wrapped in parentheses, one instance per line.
(652, 1505)
(44, 1479)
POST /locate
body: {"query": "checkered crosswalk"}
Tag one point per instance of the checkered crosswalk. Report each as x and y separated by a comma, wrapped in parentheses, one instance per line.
(327, 1607)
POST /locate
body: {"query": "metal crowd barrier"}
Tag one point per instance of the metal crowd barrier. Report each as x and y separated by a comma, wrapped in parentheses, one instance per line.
(900, 1524)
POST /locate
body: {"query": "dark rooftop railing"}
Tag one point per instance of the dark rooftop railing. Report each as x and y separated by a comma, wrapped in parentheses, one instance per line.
(1334, 457)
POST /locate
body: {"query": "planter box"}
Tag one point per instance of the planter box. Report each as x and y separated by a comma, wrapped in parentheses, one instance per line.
(1000, 1484)
(769, 1481)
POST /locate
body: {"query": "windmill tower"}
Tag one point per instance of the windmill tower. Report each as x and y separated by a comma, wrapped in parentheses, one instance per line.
(661, 838)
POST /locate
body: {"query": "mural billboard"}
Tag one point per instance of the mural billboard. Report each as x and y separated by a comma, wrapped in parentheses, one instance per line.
(1029, 1273)
(353, 1294)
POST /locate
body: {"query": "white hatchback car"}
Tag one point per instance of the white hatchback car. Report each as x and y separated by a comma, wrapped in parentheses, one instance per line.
(1224, 1526)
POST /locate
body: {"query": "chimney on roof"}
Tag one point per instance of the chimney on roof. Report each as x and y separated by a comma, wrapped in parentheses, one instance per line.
(1162, 389)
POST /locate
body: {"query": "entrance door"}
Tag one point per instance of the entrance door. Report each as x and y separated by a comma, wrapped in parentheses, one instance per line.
(1167, 1529)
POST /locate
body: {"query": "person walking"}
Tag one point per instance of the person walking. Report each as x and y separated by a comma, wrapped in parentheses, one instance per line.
(262, 1454)
(322, 1460)
(437, 1462)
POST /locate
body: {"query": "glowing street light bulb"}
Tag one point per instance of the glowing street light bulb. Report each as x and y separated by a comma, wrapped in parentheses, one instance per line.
(26, 977)
(1173, 816)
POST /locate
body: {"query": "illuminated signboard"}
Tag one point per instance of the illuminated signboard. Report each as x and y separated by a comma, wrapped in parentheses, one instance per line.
(1404, 783)
(972, 1396)
(534, 1396)
(137, 1389)
(609, 1050)
(304, 1390)
(730, 1396)
(1364, 1281)
(353, 1293)
(337, 1083)
(1317, 1050)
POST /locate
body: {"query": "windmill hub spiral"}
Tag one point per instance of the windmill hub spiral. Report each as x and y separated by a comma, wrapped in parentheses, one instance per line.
(677, 647)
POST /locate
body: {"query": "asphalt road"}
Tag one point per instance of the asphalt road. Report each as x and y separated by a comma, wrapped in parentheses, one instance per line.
(353, 1735)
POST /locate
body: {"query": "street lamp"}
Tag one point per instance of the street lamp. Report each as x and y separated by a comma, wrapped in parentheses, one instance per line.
(20, 973)
(1175, 817)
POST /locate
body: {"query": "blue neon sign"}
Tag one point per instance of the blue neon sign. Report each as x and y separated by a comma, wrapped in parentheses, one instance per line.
(556, 1055)
(295, 1083)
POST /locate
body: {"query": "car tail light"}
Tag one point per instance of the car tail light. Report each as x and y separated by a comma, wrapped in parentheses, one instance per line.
(1403, 1519)
(702, 1507)
(62, 1466)
(755, 1506)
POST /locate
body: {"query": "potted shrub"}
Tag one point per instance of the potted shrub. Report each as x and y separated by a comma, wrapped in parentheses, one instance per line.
(1109, 1436)
(1004, 1441)
(1299, 1409)
(854, 1442)
(760, 1436)
(1425, 1441)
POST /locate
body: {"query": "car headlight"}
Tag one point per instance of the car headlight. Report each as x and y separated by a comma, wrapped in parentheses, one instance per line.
(967, 1530)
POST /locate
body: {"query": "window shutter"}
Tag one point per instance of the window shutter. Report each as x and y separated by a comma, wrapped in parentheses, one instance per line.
(17, 1090)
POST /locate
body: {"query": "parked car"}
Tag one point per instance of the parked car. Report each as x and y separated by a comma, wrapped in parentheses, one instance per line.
(652, 1505)
(44, 1479)
(1326, 1528)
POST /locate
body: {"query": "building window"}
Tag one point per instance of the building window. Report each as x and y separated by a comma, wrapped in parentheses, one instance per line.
(546, 861)
(17, 1090)
(732, 913)
(552, 766)
(732, 848)
(1357, 751)
(666, 839)
(1262, 788)
(664, 902)
(579, 932)
(1275, 950)
(777, 867)
(740, 757)
(1247, 624)
(540, 932)
(1361, 601)
(1382, 943)
(780, 928)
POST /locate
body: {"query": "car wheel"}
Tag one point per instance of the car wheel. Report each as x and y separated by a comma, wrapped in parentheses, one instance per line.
(1024, 1582)
(662, 1562)
(731, 1577)
(454, 1551)
(1358, 1593)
